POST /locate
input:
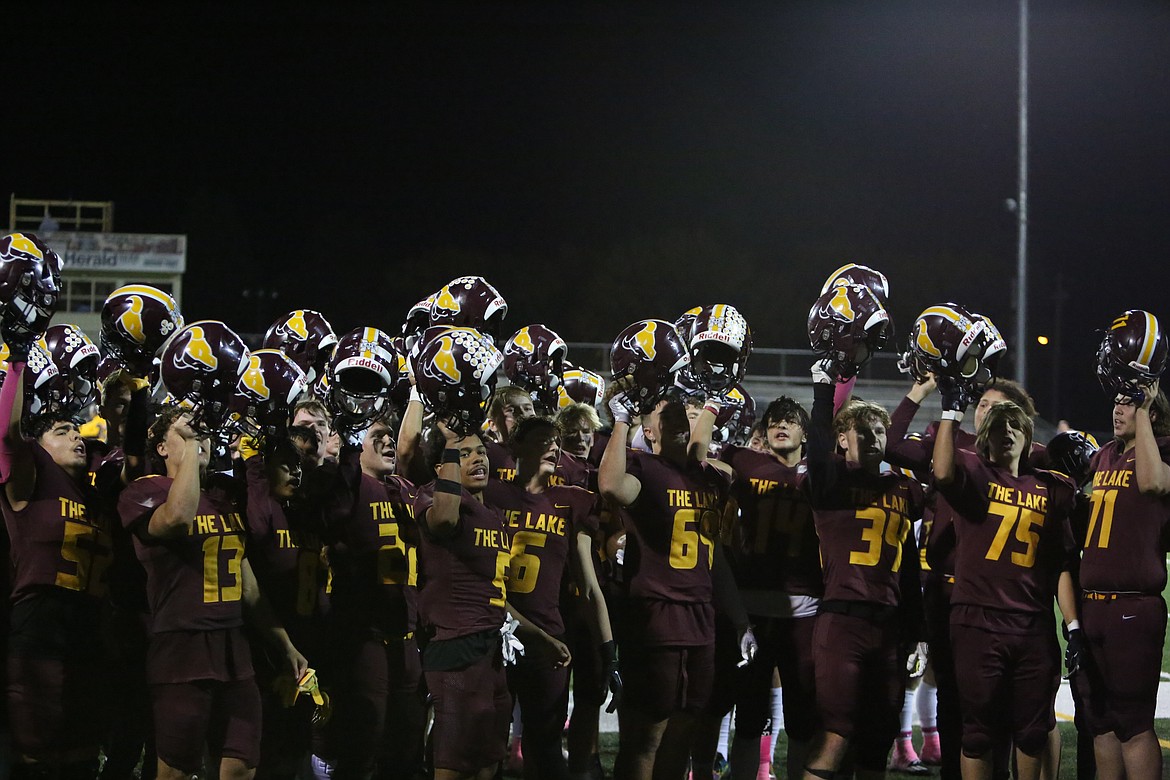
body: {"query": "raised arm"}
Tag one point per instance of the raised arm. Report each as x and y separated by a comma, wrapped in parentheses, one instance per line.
(954, 406)
(443, 516)
(409, 445)
(915, 453)
(612, 480)
(18, 470)
(1153, 474)
(176, 515)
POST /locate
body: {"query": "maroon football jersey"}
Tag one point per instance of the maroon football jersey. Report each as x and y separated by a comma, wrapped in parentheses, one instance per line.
(864, 522)
(671, 533)
(569, 471)
(193, 581)
(373, 556)
(1123, 549)
(543, 528)
(462, 575)
(286, 560)
(916, 454)
(501, 464)
(1013, 535)
(774, 544)
(61, 538)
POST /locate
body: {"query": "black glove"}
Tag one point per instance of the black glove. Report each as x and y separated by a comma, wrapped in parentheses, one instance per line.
(19, 343)
(613, 679)
(955, 397)
(1073, 651)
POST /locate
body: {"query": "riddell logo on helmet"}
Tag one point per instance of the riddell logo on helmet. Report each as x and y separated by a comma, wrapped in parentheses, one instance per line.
(362, 362)
(711, 335)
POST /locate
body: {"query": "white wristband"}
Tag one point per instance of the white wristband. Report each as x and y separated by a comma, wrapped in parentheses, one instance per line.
(415, 395)
(1073, 625)
(952, 415)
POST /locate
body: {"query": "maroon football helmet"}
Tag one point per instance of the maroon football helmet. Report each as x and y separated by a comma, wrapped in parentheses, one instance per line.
(363, 370)
(306, 337)
(852, 273)
(534, 360)
(581, 386)
(418, 319)
(684, 322)
(1070, 453)
(648, 353)
(720, 344)
(950, 342)
(847, 325)
(267, 390)
(470, 302)
(400, 392)
(46, 391)
(76, 358)
(137, 320)
(455, 374)
(30, 284)
(1132, 353)
(201, 369)
(737, 415)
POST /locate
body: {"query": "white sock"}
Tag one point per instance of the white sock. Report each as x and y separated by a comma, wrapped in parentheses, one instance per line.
(777, 710)
(724, 736)
(322, 770)
(907, 712)
(517, 724)
(927, 701)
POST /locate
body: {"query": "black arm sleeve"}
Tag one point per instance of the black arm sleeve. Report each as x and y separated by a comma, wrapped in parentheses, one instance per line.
(137, 423)
(822, 471)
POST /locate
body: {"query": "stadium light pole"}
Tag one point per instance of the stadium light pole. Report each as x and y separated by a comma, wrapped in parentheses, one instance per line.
(1022, 208)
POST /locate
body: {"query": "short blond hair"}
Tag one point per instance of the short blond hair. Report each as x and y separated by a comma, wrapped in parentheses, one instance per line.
(577, 414)
(857, 410)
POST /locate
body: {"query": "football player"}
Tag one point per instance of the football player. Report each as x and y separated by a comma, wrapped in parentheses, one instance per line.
(374, 668)
(509, 405)
(1014, 551)
(286, 557)
(59, 531)
(675, 501)
(191, 542)
(312, 413)
(777, 563)
(552, 529)
(863, 517)
(1123, 568)
(464, 557)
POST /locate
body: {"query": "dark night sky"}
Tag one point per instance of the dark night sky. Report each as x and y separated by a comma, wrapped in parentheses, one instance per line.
(605, 162)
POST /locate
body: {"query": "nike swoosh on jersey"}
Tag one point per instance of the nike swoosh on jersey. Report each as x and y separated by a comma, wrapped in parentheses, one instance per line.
(1128, 617)
(561, 506)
